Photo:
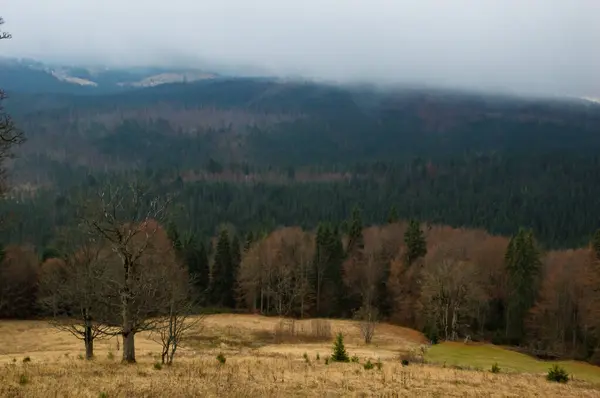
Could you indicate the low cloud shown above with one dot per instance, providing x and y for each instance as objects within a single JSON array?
[{"x": 533, "y": 46}]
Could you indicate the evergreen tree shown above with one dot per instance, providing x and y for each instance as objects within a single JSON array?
[
  {"x": 173, "y": 235},
  {"x": 327, "y": 274},
  {"x": 355, "y": 236},
  {"x": 195, "y": 257},
  {"x": 339, "y": 350},
  {"x": 523, "y": 263},
  {"x": 596, "y": 244},
  {"x": 223, "y": 273},
  {"x": 414, "y": 240},
  {"x": 393, "y": 215},
  {"x": 248, "y": 242}
]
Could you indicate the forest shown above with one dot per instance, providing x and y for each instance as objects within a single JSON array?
[{"x": 462, "y": 215}]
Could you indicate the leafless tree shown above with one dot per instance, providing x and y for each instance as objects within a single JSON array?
[
  {"x": 451, "y": 288},
  {"x": 75, "y": 290},
  {"x": 127, "y": 221},
  {"x": 10, "y": 135},
  {"x": 178, "y": 319},
  {"x": 367, "y": 318}
]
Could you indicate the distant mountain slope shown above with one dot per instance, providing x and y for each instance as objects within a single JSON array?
[
  {"x": 267, "y": 122},
  {"x": 25, "y": 75}
]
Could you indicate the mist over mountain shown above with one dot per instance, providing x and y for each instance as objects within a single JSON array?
[{"x": 541, "y": 47}]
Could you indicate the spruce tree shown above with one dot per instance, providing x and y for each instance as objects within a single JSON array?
[
  {"x": 414, "y": 240},
  {"x": 355, "y": 236},
  {"x": 596, "y": 244},
  {"x": 223, "y": 277},
  {"x": 173, "y": 235},
  {"x": 393, "y": 215},
  {"x": 339, "y": 350},
  {"x": 195, "y": 257},
  {"x": 236, "y": 260},
  {"x": 523, "y": 264},
  {"x": 248, "y": 241}
]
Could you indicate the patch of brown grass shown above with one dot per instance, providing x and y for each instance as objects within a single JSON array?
[
  {"x": 257, "y": 376},
  {"x": 253, "y": 367}
]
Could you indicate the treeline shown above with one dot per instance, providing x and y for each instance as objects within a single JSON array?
[{"x": 450, "y": 283}]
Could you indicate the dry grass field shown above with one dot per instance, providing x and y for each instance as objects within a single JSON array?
[{"x": 258, "y": 364}]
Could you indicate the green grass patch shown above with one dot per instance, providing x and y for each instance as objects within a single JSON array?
[{"x": 485, "y": 355}]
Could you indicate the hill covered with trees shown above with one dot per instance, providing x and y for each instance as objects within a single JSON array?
[{"x": 292, "y": 198}]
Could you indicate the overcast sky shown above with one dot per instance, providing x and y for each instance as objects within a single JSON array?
[{"x": 537, "y": 46}]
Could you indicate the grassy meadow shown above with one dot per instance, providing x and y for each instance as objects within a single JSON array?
[{"x": 264, "y": 360}]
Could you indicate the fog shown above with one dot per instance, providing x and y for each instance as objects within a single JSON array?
[{"x": 527, "y": 46}]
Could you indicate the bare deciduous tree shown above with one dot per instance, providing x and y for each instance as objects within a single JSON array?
[
  {"x": 275, "y": 272},
  {"x": 127, "y": 220},
  {"x": 367, "y": 318},
  {"x": 75, "y": 290},
  {"x": 178, "y": 319},
  {"x": 451, "y": 289},
  {"x": 10, "y": 135}
]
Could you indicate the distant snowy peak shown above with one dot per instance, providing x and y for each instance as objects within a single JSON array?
[
  {"x": 169, "y": 77},
  {"x": 20, "y": 71}
]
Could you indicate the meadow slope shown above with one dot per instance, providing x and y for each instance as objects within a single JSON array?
[{"x": 258, "y": 364}]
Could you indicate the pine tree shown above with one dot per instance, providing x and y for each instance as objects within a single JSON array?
[
  {"x": 414, "y": 239},
  {"x": 339, "y": 350},
  {"x": 223, "y": 276},
  {"x": 393, "y": 215},
  {"x": 523, "y": 264}
]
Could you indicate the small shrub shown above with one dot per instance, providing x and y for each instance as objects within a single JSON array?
[
  {"x": 558, "y": 374},
  {"x": 368, "y": 365},
  {"x": 354, "y": 359},
  {"x": 318, "y": 357},
  {"x": 221, "y": 358},
  {"x": 103, "y": 395},
  {"x": 306, "y": 358},
  {"x": 157, "y": 366},
  {"x": 26, "y": 359},
  {"x": 326, "y": 361},
  {"x": 111, "y": 356},
  {"x": 339, "y": 350},
  {"x": 23, "y": 379},
  {"x": 80, "y": 357},
  {"x": 379, "y": 364},
  {"x": 405, "y": 362},
  {"x": 495, "y": 368},
  {"x": 14, "y": 360}
]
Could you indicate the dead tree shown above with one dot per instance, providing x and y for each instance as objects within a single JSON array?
[
  {"x": 178, "y": 319},
  {"x": 127, "y": 220},
  {"x": 75, "y": 290}
]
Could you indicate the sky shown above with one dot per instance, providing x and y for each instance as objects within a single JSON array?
[{"x": 526, "y": 46}]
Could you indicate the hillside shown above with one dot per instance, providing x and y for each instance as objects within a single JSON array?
[
  {"x": 461, "y": 159},
  {"x": 257, "y": 365},
  {"x": 27, "y": 75}
]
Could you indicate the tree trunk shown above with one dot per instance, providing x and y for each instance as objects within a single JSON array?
[
  {"x": 128, "y": 347},
  {"x": 89, "y": 343},
  {"x": 127, "y": 319},
  {"x": 88, "y": 339}
]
